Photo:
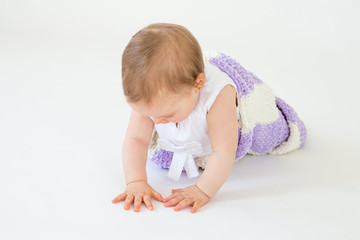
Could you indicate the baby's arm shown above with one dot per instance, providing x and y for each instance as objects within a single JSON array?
[
  {"x": 223, "y": 133},
  {"x": 134, "y": 156},
  {"x": 135, "y": 146}
]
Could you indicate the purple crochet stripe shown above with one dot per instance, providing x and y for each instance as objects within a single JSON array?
[
  {"x": 162, "y": 158},
  {"x": 268, "y": 136},
  {"x": 240, "y": 69},
  {"x": 244, "y": 144},
  {"x": 243, "y": 79},
  {"x": 291, "y": 116}
]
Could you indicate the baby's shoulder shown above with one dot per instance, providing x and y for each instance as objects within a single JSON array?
[{"x": 227, "y": 95}]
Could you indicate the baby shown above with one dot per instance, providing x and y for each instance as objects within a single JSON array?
[{"x": 192, "y": 110}]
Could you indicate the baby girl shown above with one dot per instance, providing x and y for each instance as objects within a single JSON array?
[{"x": 192, "y": 109}]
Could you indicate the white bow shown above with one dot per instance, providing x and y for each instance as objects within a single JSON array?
[{"x": 183, "y": 157}]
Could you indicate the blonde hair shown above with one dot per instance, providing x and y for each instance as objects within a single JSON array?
[{"x": 160, "y": 58}]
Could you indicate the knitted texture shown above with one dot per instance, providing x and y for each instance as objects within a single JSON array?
[{"x": 267, "y": 125}]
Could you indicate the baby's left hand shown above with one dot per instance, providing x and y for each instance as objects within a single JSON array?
[{"x": 191, "y": 195}]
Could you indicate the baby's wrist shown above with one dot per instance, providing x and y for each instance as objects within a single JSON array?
[
  {"x": 206, "y": 194},
  {"x": 139, "y": 180}
]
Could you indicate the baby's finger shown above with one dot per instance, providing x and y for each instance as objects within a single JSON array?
[
  {"x": 176, "y": 190},
  {"x": 128, "y": 201},
  {"x": 157, "y": 196},
  {"x": 174, "y": 201},
  {"x": 147, "y": 202},
  {"x": 183, "y": 203},
  {"x": 137, "y": 203},
  {"x": 171, "y": 196},
  {"x": 119, "y": 198},
  {"x": 195, "y": 207}
]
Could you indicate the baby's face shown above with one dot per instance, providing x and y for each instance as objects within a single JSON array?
[{"x": 174, "y": 108}]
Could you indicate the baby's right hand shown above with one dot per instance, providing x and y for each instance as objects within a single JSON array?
[{"x": 138, "y": 192}]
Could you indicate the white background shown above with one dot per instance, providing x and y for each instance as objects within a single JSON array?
[{"x": 63, "y": 118}]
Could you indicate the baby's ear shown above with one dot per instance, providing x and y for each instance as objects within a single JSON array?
[{"x": 200, "y": 81}]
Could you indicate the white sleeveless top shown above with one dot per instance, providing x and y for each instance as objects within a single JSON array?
[{"x": 194, "y": 128}]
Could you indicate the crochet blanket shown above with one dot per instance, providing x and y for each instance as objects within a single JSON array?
[{"x": 267, "y": 124}]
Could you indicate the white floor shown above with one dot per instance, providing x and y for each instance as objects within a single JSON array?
[{"x": 63, "y": 118}]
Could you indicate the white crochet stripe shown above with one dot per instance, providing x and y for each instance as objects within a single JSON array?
[
  {"x": 255, "y": 153},
  {"x": 292, "y": 143},
  {"x": 259, "y": 106}
]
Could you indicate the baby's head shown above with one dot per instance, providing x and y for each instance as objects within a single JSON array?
[{"x": 163, "y": 72}]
